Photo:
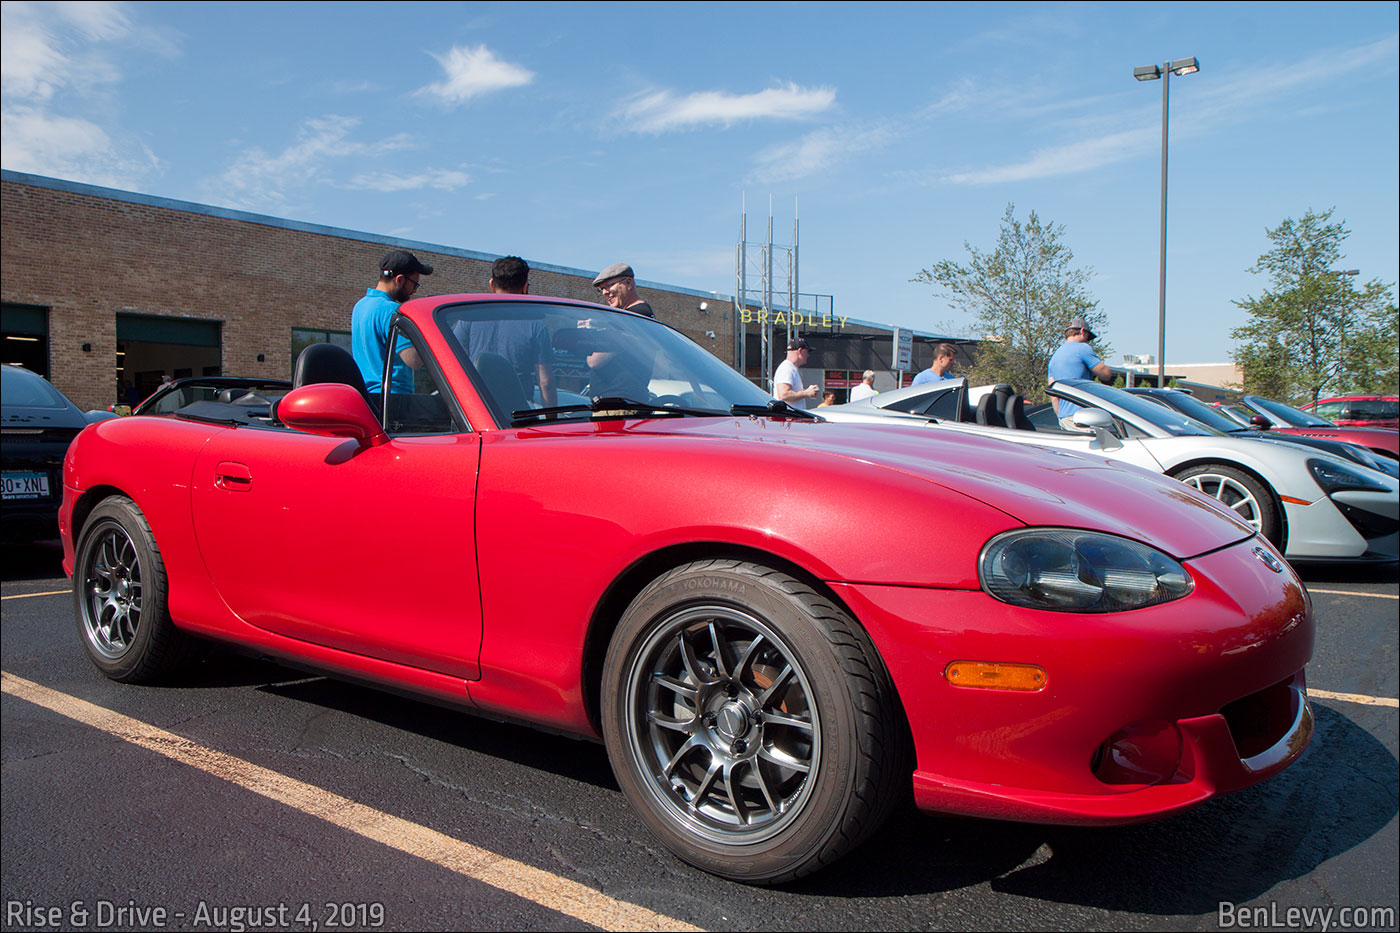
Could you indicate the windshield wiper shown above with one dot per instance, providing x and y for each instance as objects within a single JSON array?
[
  {"x": 606, "y": 403},
  {"x": 775, "y": 407}
]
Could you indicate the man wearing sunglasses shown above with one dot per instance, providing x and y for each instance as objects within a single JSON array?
[
  {"x": 618, "y": 287},
  {"x": 399, "y": 275}
]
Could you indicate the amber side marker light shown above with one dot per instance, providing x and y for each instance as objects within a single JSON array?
[{"x": 995, "y": 675}]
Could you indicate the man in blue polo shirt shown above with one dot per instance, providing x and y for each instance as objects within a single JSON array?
[
  {"x": 1075, "y": 360},
  {"x": 369, "y": 323}
]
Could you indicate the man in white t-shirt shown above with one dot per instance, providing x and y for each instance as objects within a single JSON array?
[
  {"x": 866, "y": 387},
  {"x": 787, "y": 381}
]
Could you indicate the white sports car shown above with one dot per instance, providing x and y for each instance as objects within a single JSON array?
[{"x": 1312, "y": 505}]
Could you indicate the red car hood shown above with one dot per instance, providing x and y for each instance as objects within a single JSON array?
[{"x": 1035, "y": 485}]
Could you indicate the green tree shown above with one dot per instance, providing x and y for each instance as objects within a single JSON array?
[
  {"x": 1021, "y": 295},
  {"x": 1313, "y": 333}
]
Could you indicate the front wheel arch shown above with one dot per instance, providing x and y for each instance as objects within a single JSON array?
[{"x": 614, "y": 602}]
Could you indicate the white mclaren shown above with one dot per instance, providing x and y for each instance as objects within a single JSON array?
[{"x": 1312, "y": 505}]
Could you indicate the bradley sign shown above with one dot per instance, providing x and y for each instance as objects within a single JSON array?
[{"x": 791, "y": 318}]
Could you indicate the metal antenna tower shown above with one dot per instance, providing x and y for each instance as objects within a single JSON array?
[{"x": 755, "y": 289}]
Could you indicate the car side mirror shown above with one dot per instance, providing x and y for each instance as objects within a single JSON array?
[
  {"x": 1260, "y": 422},
  {"x": 331, "y": 409},
  {"x": 1101, "y": 423}
]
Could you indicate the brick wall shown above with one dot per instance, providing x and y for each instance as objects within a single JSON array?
[{"x": 87, "y": 257}]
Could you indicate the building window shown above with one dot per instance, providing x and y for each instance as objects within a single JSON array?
[{"x": 303, "y": 337}]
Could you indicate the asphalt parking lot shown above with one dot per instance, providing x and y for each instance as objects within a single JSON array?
[{"x": 257, "y": 795}]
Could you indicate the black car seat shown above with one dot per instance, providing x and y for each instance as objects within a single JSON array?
[
  {"x": 501, "y": 383},
  {"x": 1016, "y": 414},
  {"x": 1003, "y": 392},
  {"x": 326, "y": 362},
  {"x": 987, "y": 413}
]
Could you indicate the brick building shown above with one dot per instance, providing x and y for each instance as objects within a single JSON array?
[{"x": 106, "y": 291}]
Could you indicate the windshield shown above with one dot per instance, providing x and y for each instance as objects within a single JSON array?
[
  {"x": 1287, "y": 414},
  {"x": 1168, "y": 419},
  {"x": 535, "y": 355},
  {"x": 1198, "y": 409},
  {"x": 23, "y": 389}
]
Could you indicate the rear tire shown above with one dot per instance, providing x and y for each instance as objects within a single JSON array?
[
  {"x": 119, "y": 597},
  {"x": 1241, "y": 493},
  {"x": 750, "y": 722}
]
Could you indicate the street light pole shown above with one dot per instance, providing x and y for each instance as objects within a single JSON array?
[
  {"x": 1181, "y": 66},
  {"x": 1336, "y": 275}
]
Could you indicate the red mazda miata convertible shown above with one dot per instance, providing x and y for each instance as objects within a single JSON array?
[{"x": 578, "y": 518}]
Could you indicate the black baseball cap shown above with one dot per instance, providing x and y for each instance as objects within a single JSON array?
[
  {"x": 798, "y": 343},
  {"x": 402, "y": 262}
]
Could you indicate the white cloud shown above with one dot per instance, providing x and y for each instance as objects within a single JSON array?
[
  {"x": 1066, "y": 160},
  {"x": 53, "y": 68},
  {"x": 661, "y": 111},
  {"x": 259, "y": 179},
  {"x": 44, "y": 48},
  {"x": 1215, "y": 99},
  {"x": 818, "y": 151},
  {"x": 441, "y": 179},
  {"x": 33, "y": 140},
  {"x": 472, "y": 72}
]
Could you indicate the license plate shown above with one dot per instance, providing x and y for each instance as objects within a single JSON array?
[{"x": 25, "y": 485}]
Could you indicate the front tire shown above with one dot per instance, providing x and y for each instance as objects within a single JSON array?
[
  {"x": 750, "y": 722},
  {"x": 119, "y": 597},
  {"x": 1243, "y": 494}
]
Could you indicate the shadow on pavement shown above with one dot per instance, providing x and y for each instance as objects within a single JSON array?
[
  {"x": 1348, "y": 573},
  {"x": 33, "y": 560},
  {"x": 1234, "y": 848}
]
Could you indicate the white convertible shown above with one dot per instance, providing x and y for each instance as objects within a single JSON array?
[{"x": 1312, "y": 505}]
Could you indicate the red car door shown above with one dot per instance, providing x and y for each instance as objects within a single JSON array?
[{"x": 369, "y": 550}]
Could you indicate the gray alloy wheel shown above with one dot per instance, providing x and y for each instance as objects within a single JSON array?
[
  {"x": 721, "y": 719},
  {"x": 119, "y": 597},
  {"x": 112, "y": 591},
  {"x": 1241, "y": 493},
  {"x": 749, "y": 721}
]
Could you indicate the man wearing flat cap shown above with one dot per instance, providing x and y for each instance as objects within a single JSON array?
[
  {"x": 1075, "y": 360},
  {"x": 787, "y": 381},
  {"x": 399, "y": 273},
  {"x": 618, "y": 286}
]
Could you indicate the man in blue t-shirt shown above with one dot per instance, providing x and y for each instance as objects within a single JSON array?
[
  {"x": 1075, "y": 360},
  {"x": 942, "y": 368},
  {"x": 369, "y": 323}
]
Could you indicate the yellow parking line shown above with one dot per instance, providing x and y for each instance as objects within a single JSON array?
[
  {"x": 533, "y": 884},
  {"x": 27, "y": 595},
  {"x": 1354, "y": 593},
  {"x": 1355, "y": 698}
]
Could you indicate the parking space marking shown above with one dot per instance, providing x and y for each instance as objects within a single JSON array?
[
  {"x": 1354, "y": 593},
  {"x": 1355, "y": 698},
  {"x": 533, "y": 884},
  {"x": 27, "y": 595}
]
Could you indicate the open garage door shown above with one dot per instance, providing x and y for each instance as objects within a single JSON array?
[{"x": 151, "y": 348}]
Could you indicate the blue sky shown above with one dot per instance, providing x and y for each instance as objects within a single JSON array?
[{"x": 587, "y": 133}]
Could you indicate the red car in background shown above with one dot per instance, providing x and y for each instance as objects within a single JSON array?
[
  {"x": 688, "y": 570},
  {"x": 1275, "y": 416},
  {"x": 1374, "y": 411}
]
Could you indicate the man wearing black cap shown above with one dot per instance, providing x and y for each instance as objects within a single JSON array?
[
  {"x": 1075, "y": 360},
  {"x": 618, "y": 286},
  {"x": 369, "y": 322},
  {"x": 787, "y": 381}
]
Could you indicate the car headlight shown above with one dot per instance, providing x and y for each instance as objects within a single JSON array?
[
  {"x": 1068, "y": 570},
  {"x": 1335, "y": 476}
]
